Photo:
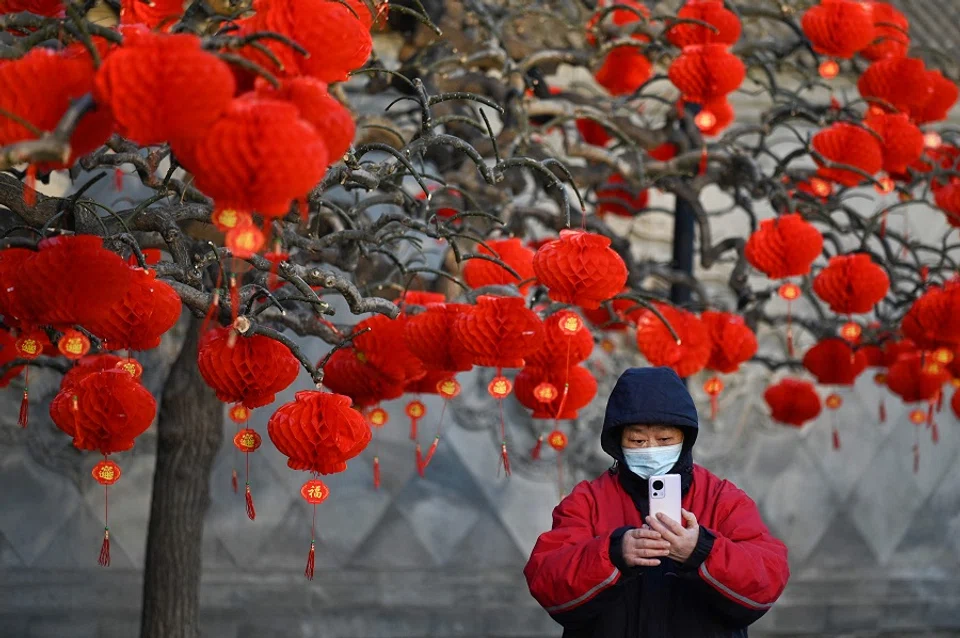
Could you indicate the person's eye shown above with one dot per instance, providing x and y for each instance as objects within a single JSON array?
[{"x": 666, "y": 439}]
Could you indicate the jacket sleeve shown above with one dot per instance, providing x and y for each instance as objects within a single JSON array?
[
  {"x": 740, "y": 567},
  {"x": 571, "y": 572}
]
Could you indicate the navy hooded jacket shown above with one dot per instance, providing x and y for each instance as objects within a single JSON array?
[{"x": 577, "y": 570}]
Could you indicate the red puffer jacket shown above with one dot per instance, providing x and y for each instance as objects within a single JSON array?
[{"x": 735, "y": 574}]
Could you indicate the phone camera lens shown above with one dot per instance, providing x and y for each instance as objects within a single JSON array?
[{"x": 658, "y": 484}]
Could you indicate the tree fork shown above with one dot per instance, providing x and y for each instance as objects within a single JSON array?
[{"x": 189, "y": 434}]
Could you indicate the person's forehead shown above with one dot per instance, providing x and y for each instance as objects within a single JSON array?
[{"x": 646, "y": 428}]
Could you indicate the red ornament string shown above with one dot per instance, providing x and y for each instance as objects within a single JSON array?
[{"x": 104, "y": 559}]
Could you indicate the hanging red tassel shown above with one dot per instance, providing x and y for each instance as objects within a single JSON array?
[
  {"x": 714, "y": 406},
  {"x": 118, "y": 179},
  {"x": 506, "y": 458},
  {"x": 702, "y": 168},
  {"x": 883, "y": 225},
  {"x": 836, "y": 439},
  {"x": 251, "y": 512},
  {"x": 930, "y": 413},
  {"x": 430, "y": 452},
  {"x": 935, "y": 434},
  {"x": 883, "y": 411},
  {"x": 234, "y": 298},
  {"x": 29, "y": 191},
  {"x": 24, "y": 410},
  {"x": 234, "y": 483},
  {"x": 419, "y": 459},
  {"x": 104, "y": 559},
  {"x": 939, "y": 401},
  {"x": 535, "y": 452},
  {"x": 924, "y": 273},
  {"x": 308, "y": 572},
  {"x": 376, "y": 472}
]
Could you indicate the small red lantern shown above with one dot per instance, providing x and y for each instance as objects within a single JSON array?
[
  {"x": 839, "y": 28},
  {"x": 848, "y": 144},
  {"x": 567, "y": 341},
  {"x": 829, "y": 69},
  {"x": 29, "y": 346},
  {"x": 918, "y": 417},
  {"x": 106, "y": 472},
  {"x": 247, "y": 440},
  {"x": 851, "y": 331},
  {"x": 416, "y": 411},
  {"x": 891, "y": 39},
  {"x": 580, "y": 268},
  {"x": 557, "y": 440},
  {"x": 851, "y": 284},
  {"x": 902, "y": 83},
  {"x": 733, "y": 342},
  {"x": 713, "y": 387},
  {"x": 726, "y": 25},
  {"x": 792, "y": 401},
  {"x": 706, "y": 72},
  {"x": 705, "y": 120},
  {"x": 499, "y": 331},
  {"x": 448, "y": 388},
  {"x": 833, "y": 362},
  {"x": 239, "y": 413},
  {"x": 834, "y": 401},
  {"x": 431, "y": 338},
  {"x": 686, "y": 356},
  {"x": 245, "y": 241},
  {"x": 943, "y": 356},
  {"x": 500, "y": 387},
  {"x": 784, "y": 246},
  {"x": 480, "y": 272},
  {"x": 314, "y": 491},
  {"x": 378, "y": 417}
]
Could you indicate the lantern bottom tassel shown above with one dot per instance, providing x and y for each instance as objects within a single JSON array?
[
  {"x": 836, "y": 439},
  {"x": 883, "y": 411},
  {"x": 24, "y": 410},
  {"x": 104, "y": 559},
  {"x": 430, "y": 452},
  {"x": 234, "y": 483},
  {"x": 506, "y": 459},
  {"x": 535, "y": 452},
  {"x": 308, "y": 572},
  {"x": 419, "y": 455},
  {"x": 376, "y": 472},
  {"x": 714, "y": 407},
  {"x": 935, "y": 434},
  {"x": 251, "y": 512}
]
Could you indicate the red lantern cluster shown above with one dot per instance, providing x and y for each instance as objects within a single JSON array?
[
  {"x": 785, "y": 246},
  {"x": 917, "y": 377},
  {"x": 906, "y": 86},
  {"x": 931, "y": 322},
  {"x": 247, "y": 370},
  {"x": 580, "y": 268}
]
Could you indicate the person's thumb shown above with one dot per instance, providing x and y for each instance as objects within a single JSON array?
[{"x": 688, "y": 518}]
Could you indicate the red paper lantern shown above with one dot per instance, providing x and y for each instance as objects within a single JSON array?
[
  {"x": 592, "y": 132},
  {"x": 108, "y": 410},
  {"x": 715, "y": 117},
  {"x": 833, "y": 362},
  {"x": 603, "y": 319},
  {"x": 350, "y": 374},
  {"x": 726, "y": 23},
  {"x": 385, "y": 348},
  {"x": 902, "y": 142},
  {"x": 153, "y": 14},
  {"x": 947, "y": 199},
  {"x": 894, "y": 350},
  {"x": 318, "y": 432},
  {"x": 137, "y": 321},
  {"x": 557, "y": 440},
  {"x": 421, "y": 298},
  {"x": 901, "y": 84},
  {"x": 890, "y": 33},
  {"x": 478, "y": 273},
  {"x": 623, "y": 71},
  {"x": 792, "y": 401},
  {"x": 73, "y": 279},
  {"x": 48, "y": 8},
  {"x": 838, "y": 28},
  {"x": 706, "y": 72},
  {"x": 851, "y": 283},
  {"x": 336, "y": 41},
  {"x": 8, "y": 353},
  {"x": 163, "y": 87},
  {"x": 942, "y": 96},
  {"x": 931, "y": 321},
  {"x": 732, "y": 341},
  {"x": 916, "y": 377},
  {"x": 430, "y": 338},
  {"x": 247, "y": 440},
  {"x": 580, "y": 268},
  {"x": 564, "y": 344},
  {"x": 331, "y": 119},
  {"x": 577, "y": 383},
  {"x": 287, "y": 161},
  {"x": 430, "y": 382},
  {"x": 845, "y": 143},
  {"x": 499, "y": 331},
  {"x": 661, "y": 349},
  {"x": 88, "y": 365},
  {"x": 247, "y": 370},
  {"x": 11, "y": 259},
  {"x": 784, "y": 246},
  {"x": 39, "y": 89},
  {"x": 617, "y": 198}
]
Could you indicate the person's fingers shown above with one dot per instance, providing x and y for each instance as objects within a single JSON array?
[
  {"x": 653, "y": 552},
  {"x": 658, "y": 526},
  {"x": 649, "y": 542},
  {"x": 670, "y": 524},
  {"x": 647, "y": 562},
  {"x": 646, "y": 533},
  {"x": 689, "y": 518}
]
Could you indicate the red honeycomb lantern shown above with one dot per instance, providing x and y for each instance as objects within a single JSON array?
[
  {"x": 155, "y": 14},
  {"x": 898, "y": 84},
  {"x": 686, "y": 357},
  {"x": 580, "y": 268},
  {"x": 851, "y": 283},
  {"x": 725, "y": 22},
  {"x": 838, "y": 28},
  {"x": 902, "y": 142},
  {"x": 625, "y": 68},
  {"x": 833, "y": 362},
  {"x": 733, "y": 342},
  {"x": 784, "y": 246},
  {"x": 162, "y": 87},
  {"x": 499, "y": 331},
  {"x": 943, "y": 95},
  {"x": 480, "y": 272},
  {"x": 430, "y": 337},
  {"x": 348, "y": 372},
  {"x": 138, "y": 320},
  {"x": 715, "y": 117},
  {"x": 891, "y": 39},
  {"x": 618, "y": 198},
  {"x": 916, "y": 377},
  {"x": 247, "y": 370},
  {"x": 947, "y": 198},
  {"x": 706, "y": 72},
  {"x": 574, "y": 389},
  {"x": 845, "y": 143},
  {"x": 931, "y": 321},
  {"x": 385, "y": 348},
  {"x": 792, "y": 401}
]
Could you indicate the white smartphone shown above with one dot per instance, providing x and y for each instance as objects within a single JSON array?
[{"x": 664, "y": 495}]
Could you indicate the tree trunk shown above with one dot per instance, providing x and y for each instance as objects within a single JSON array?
[{"x": 189, "y": 433}]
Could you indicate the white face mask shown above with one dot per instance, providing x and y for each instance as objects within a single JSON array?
[{"x": 652, "y": 461}]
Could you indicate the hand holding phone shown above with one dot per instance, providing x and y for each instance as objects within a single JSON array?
[{"x": 664, "y": 495}]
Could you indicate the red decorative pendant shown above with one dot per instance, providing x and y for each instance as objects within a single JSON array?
[
  {"x": 500, "y": 387},
  {"x": 314, "y": 491},
  {"x": 106, "y": 472},
  {"x": 247, "y": 440}
]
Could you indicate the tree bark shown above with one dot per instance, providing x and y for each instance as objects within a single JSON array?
[{"x": 189, "y": 433}]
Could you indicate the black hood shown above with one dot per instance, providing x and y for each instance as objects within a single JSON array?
[{"x": 649, "y": 396}]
